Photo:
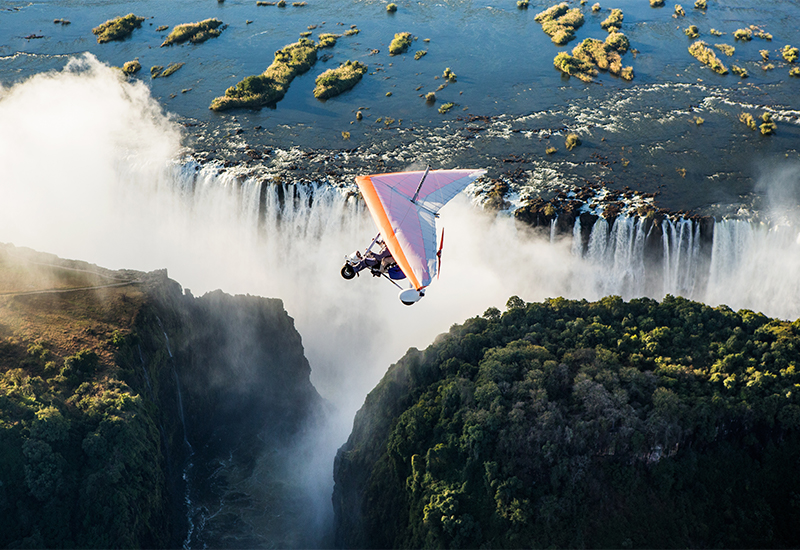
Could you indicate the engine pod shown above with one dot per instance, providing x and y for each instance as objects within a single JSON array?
[{"x": 411, "y": 296}]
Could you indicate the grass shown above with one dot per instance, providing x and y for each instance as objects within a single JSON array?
[
  {"x": 764, "y": 54},
  {"x": 449, "y": 75},
  {"x": 551, "y": 150},
  {"x": 745, "y": 35},
  {"x": 559, "y": 22},
  {"x": 523, "y": 4},
  {"x": 117, "y": 29},
  {"x": 789, "y": 53},
  {"x": 679, "y": 10},
  {"x": 715, "y": 32},
  {"x": 430, "y": 97},
  {"x": 420, "y": 54},
  {"x": 155, "y": 71},
  {"x": 656, "y": 3},
  {"x": 596, "y": 7},
  {"x": 195, "y": 33},
  {"x": 400, "y": 43},
  {"x": 692, "y": 31},
  {"x": 794, "y": 71},
  {"x": 726, "y": 49},
  {"x": 700, "y": 5},
  {"x": 352, "y": 31},
  {"x": 391, "y": 8},
  {"x": 446, "y": 107},
  {"x": 269, "y": 87},
  {"x": 131, "y": 67},
  {"x": 614, "y": 21},
  {"x": 336, "y": 81},
  {"x": 705, "y": 55}
]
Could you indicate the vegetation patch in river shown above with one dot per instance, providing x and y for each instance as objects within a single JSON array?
[
  {"x": 602, "y": 55},
  {"x": 131, "y": 67},
  {"x": 726, "y": 49},
  {"x": 269, "y": 87},
  {"x": 194, "y": 32},
  {"x": 327, "y": 40},
  {"x": 789, "y": 53},
  {"x": 117, "y": 29},
  {"x": 336, "y": 81},
  {"x": 400, "y": 43},
  {"x": 559, "y": 22},
  {"x": 614, "y": 21},
  {"x": 573, "y": 66},
  {"x": 705, "y": 55},
  {"x": 768, "y": 126}
]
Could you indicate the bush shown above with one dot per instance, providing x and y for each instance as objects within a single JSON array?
[
  {"x": 131, "y": 67},
  {"x": 705, "y": 55},
  {"x": 194, "y": 32},
  {"x": 748, "y": 119},
  {"x": 614, "y": 21},
  {"x": 400, "y": 43},
  {"x": 336, "y": 81},
  {"x": 391, "y": 8},
  {"x": 117, "y": 29},
  {"x": 572, "y": 141}
]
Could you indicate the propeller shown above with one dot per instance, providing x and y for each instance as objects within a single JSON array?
[{"x": 439, "y": 256}]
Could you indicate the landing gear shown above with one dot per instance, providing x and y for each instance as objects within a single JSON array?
[{"x": 348, "y": 272}]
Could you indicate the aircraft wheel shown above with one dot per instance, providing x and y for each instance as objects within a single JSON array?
[{"x": 348, "y": 272}]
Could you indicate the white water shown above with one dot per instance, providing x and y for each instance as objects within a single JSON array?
[{"x": 88, "y": 172}]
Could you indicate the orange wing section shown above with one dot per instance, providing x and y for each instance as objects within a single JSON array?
[{"x": 385, "y": 226}]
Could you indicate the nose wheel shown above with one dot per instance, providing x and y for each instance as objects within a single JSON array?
[{"x": 348, "y": 272}]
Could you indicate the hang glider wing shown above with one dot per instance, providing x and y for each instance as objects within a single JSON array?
[{"x": 405, "y": 213}]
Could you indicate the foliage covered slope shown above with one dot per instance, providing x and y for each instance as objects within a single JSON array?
[
  {"x": 576, "y": 424},
  {"x": 104, "y": 378}
]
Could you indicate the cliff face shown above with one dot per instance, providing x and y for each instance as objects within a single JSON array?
[
  {"x": 116, "y": 388},
  {"x": 576, "y": 424}
]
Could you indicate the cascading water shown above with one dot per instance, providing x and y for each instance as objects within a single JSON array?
[{"x": 747, "y": 265}]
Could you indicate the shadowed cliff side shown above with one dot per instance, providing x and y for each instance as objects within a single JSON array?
[
  {"x": 577, "y": 424},
  {"x": 117, "y": 389}
]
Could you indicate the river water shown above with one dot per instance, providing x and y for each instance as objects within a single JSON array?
[{"x": 510, "y": 101}]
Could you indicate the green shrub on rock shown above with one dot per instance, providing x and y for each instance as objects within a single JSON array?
[
  {"x": 336, "y": 81},
  {"x": 117, "y": 29}
]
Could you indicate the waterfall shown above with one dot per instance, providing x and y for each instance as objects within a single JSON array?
[{"x": 743, "y": 264}]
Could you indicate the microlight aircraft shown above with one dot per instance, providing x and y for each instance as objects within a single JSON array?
[{"x": 404, "y": 206}]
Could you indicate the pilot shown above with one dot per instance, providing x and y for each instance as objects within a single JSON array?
[{"x": 383, "y": 259}]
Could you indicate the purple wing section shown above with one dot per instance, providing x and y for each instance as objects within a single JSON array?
[{"x": 414, "y": 223}]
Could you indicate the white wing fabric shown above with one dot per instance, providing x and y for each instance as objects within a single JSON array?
[{"x": 409, "y": 226}]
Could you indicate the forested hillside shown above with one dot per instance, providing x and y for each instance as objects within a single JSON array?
[
  {"x": 576, "y": 424},
  {"x": 112, "y": 383}
]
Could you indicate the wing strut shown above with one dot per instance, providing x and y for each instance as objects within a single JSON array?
[{"x": 425, "y": 175}]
